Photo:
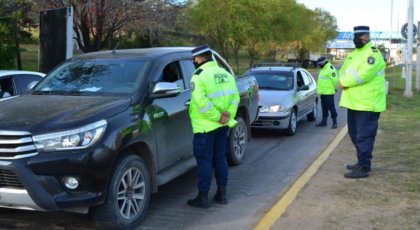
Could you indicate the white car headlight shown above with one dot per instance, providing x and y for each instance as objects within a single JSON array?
[
  {"x": 272, "y": 109},
  {"x": 79, "y": 138}
]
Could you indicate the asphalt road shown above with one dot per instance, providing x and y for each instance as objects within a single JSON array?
[{"x": 273, "y": 162}]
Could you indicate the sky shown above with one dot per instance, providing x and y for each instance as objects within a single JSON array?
[{"x": 373, "y": 13}]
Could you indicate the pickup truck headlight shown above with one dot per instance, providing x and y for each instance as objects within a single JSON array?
[
  {"x": 272, "y": 109},
  {"x": 79, "y": 138}
]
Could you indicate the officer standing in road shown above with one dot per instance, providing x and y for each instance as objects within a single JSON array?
[
  {"x": 327, "y": 86},
  {"x": 362, "y": 78},
  {"x": 214, "y": 103}
]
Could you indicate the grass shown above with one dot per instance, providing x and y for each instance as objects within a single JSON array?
[
  {"x": 392, "y": 195},
  {"x": 29, "y": 54}
]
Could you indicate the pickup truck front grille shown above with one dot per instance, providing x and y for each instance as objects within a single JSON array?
[
  {"x": 9, "y": 180},
  {"x": 16, "y": 145}
]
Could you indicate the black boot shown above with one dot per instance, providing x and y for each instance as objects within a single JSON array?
[
  {"x": 220, "y": 196},
  {"x": 334, "y": 124},
  {"x": 322, "y": 123},
  {"x": 201, "y": 201}
]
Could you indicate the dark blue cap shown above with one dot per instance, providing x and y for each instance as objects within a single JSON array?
[
  {"x": 321, "y": 61},
  {"x": 361, "y": 29},
  {"x": 200, "y": 50}
]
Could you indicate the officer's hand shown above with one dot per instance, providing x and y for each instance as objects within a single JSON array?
[
  {"x": 224, "y": 118},
  {"x": 341, "y": 86}
]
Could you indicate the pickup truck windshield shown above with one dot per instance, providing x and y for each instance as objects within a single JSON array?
[{"x": 94, "y": 77}]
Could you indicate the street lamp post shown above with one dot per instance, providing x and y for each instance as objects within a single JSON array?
[
  {"x": 409, "y": 61},
  {"x": 418, "y": 59}
]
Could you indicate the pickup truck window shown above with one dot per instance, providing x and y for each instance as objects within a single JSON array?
[
  {"x": 171, "y": 73},
  {"x": 98, "y": 77}
]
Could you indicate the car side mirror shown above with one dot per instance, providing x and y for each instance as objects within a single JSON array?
[
  {"x": 165, "y": 89},
  {"x": 31, "y": 85}
]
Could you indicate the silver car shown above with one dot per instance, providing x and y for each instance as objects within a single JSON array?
[{"x": 287, "y": 95}]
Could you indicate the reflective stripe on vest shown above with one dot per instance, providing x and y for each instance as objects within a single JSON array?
[
  {"x": 207, "y": 108},
  {"x": 380, "y": 73},
  {"x": 355, "y": 75},
  {"x": 221, "y": 93}
]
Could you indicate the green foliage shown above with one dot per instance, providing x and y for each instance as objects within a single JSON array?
[
  {"x": 261, "y": 26},
  {"x": 7, "y": 47}
]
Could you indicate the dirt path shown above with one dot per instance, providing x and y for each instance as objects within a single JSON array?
[{"x": 330, "y": 201}]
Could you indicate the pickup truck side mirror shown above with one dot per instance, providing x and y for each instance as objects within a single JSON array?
[
  {"x": 31, "y": 85},
  {"x": 304, "y": 87},
  {"x": 165, "y": 89}
]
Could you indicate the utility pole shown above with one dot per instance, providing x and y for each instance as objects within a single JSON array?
[
  {"x": 409, "y": 61},
  {"x": 418, "y": 59}
]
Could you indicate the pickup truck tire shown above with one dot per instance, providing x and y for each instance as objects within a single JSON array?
[
  {"x": 291, "y": 130},
  {"x": 238, "y": 139},
  {"x": 312, "y": 115},
  {"x": 128, "y": 195}
]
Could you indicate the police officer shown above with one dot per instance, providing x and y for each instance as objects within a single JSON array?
[
  {"x": 326, "y": 87},
  {"x": 214, "y": 102},
  {"x": 362, "y": 78}
]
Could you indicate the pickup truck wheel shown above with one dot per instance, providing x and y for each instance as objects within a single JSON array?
[
  {"x": 128, "y": 195},
  {"x": 237, "y": 142},
  {"x": 291, "y": 130},
  {"x": 312, "y": 116}
]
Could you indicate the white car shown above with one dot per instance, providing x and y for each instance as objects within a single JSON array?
[
  {"x": 17, "y": 82},
  {"x": 287, "y": 95}
]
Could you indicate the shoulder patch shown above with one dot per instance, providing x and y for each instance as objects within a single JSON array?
[
  {"x": 371, "y": 60},
  {"x": 197, "y": 72}
]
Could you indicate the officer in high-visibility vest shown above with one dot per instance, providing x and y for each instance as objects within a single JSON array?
[
  {"x": 214, "y": 103},
  {"x": 362, "y": 78},
  {"x": 327, "y": 84}
]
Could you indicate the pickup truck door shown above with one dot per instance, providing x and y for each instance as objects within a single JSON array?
[{"x": 171, "y": 122}]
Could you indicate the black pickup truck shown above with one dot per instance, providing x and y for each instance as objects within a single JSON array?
[{"x": 103, "y": 130}]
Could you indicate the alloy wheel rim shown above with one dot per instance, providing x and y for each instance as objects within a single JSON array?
[
  {"x": 239, "y": 141},
  {"x": 131, "y": 193}
]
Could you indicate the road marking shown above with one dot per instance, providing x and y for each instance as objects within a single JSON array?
[{"x": 278, "y": 209}]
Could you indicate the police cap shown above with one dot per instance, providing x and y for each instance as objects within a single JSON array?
[
  {"x": 321, "y": 61},
  {"x": 200, "y": 50},
  {"x": 359, "y": 30}
]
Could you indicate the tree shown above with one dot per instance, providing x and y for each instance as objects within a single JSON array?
[
  {"x": 16, "y": 19},
  {"x": 96, "y": 22},
  {"x": 320, "y": 26}
]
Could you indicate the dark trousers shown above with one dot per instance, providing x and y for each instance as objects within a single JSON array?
[
  {"x": 362, "y": 127},
  {"x": 327, "y": 104},
  {"x": 210, "y": 152}
]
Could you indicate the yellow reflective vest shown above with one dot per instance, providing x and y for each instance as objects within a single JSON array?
[
  {"x": 327, "y": 80},
  {"x": 363, "y": 77},
  {"x": 214, "y": 91}
]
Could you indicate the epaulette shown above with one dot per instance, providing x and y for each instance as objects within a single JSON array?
[
  {"x": 331, "y": 67},
  {"x": 198, "y": 72},
  {"x": 374, "y": 49}
]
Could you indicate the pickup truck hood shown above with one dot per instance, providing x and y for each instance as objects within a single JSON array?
[
  {"x": 275, "y": 97},
  {"x": 49, "y": 113}
]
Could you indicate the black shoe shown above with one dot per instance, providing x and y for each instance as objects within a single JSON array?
[
  {"x": 354, "y": 166},
  {"x": 334, "y": 125},
  {"x": 358, "y": 172},
  {"x": 201, "y": 201},
  {"x": 220, "y": 196}
]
